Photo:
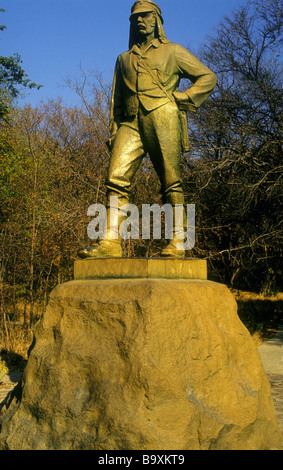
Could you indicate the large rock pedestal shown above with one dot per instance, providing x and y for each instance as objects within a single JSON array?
[{"x": 142, "y": 364}]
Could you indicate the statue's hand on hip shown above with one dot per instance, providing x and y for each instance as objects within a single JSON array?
[{"x": 182, "y": 99}]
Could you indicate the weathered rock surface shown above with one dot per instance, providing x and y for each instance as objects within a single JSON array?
[{"x": 141, "y": 364}]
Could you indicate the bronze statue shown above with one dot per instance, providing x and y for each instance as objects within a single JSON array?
[{"x": 148, "y": 115}]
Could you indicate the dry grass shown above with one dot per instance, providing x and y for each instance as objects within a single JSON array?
[
  {"x": 14, "y": 348},
  {"x": 261, "y": 314}
]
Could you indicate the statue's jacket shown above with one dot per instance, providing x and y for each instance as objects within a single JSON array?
[{"x": 169, "y": 63}]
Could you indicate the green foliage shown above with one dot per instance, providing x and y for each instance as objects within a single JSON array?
[
  {"x": 12, "y": 79},
  {"x": 12, "y": 75}
]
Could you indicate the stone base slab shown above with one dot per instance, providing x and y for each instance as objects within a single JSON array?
[{"x": 149, "y": 268}]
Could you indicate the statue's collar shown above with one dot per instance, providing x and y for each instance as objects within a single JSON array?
[{"x": 154, "y": 43}]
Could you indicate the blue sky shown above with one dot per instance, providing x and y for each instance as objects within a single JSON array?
[{"x": 55, "y": 36}]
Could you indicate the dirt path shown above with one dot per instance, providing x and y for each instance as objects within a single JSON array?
[{"x": 271, "y": 353}]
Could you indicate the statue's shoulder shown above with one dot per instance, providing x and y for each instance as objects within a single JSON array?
[
  {"x": 167, "y": 43},
  {"x": 170, "y": 46},
  {"x": 175, "y": 45},
  {"x": 178, "y": 48},
  {"x": 123, "y": 56}
]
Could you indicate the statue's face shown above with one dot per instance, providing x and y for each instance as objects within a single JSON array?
[{"x": 144, "y": 23}]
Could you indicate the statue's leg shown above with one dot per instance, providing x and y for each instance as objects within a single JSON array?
[
  {"x": 126, "y": 156},
  {"x": 162, "y": 134}
]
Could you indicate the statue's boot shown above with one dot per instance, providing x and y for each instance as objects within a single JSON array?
[
  {"x": 110, "y": 245},
  {"x": 104, "y": 249},
  {"x": 171, "y": 250}
]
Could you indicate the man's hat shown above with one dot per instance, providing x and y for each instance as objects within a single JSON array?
[{"x": 142, "y": 6}]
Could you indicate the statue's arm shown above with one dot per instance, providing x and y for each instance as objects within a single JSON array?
[
  {"x": 116, "y": 101},
  {"x": 202, "y": 78}
]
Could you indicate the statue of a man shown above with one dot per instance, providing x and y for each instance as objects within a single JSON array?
[{"x": 147, "y": 114}]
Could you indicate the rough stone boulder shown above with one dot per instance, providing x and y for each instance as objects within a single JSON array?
[{"x": 141, "y": 364}]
